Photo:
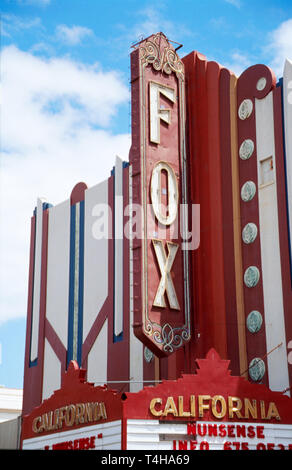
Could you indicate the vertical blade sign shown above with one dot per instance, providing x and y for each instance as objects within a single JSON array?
[{"x": 160, "y": 272}]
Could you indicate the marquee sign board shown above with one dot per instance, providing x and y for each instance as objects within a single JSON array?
[
  {"x": 159, "y": 191},
  {"x": 209, "y": 410},
  {"x": 78, "y": 416}
]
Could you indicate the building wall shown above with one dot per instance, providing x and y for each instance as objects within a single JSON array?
[
  {"x": 239, "y": 171},
  {"x": 10, "y": 434},
  {"x": 10, "y": 403},
  {"x": 79, "y": 275},
  {"x": 83, "y": 265},
  {"x": 10, "y": 417}
]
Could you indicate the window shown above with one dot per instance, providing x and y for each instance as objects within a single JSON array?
[{"x": 267, "y": 171}]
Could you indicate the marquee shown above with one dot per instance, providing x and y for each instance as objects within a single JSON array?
[
  {"x": 208, "y": 410},
  {"x": 78, "y": 416}
]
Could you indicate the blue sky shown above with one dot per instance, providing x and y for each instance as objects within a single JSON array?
[{"x": 66, "y": 101}]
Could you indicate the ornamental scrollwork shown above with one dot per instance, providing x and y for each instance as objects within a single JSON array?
[
  {"x": 170, "y": 338},
  {"x": 158, "y": 52}
]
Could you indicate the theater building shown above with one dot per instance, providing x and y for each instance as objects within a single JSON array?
[{"x": 159, "y": 300}]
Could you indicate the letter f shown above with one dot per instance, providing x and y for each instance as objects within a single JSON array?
[{"x": 158, "y": 113}]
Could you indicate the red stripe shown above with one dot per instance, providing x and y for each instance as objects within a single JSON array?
[
  {"x": 126, "y": 283},
  {"x": 33, "y": 376},
  {"x": 227, "y": 223},
  {"x": 118, "y": 352},
  {"x": 95, "y": 330},
  {"x": 78, "y": 193},
  {"x": 251, "y": 253},
  {"x": 124, "y": 431},
  {"x": 208, "y": 260},
  {"x": 27, "y": 389},
  {"x": 106, "y": 310},
  {"x": 56, "y": 344},
  {"x": 43, "y": 301},
  {"x": 195, "y": 65},
  {"x": 215, "y": 274}
]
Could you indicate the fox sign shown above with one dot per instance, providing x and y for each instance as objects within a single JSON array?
[{"x": 160, "y": 249}]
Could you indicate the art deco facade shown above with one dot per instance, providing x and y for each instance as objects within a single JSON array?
[{"x": 186, "y": 247}]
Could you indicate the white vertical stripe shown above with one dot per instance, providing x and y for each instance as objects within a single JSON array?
[
  {"x": 119, "y": 225},
  {"x": 37, "y": 281},
  {"x": 96, "y": 235},
  {"x": 136, "y": 347},
  {"x": 52, "y": 371},
  {"x": 270, "y": 247},
  {"x": 98, "y": 357},
  {"x": 287, "y": 105},
  {"x": 58, "y": 269}
]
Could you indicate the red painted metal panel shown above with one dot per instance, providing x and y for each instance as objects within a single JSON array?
[
  {"x": 27, "y": 384},
  {"x": 118, "y": 352},
  {"x": 162, "y": 328},
  {"x": 251, "y": 253},
  {"x": 77, "y": 193},
  {"x": 212, "y": 379},
  {"x": 210, "y": 165},
  {"x": 56, "y": 344},
  {"x": 43, "y": 301},
  {"x": 74, "y": 391},
  {"x": 33, "y": 374},
  {"x": 228, "y": 222},
  {"x": 195, "y": 67}
]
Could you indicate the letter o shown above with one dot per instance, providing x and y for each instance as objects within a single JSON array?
[
  {"x": 155, "y": 190},
  {"x": 216, "y": 413},
  {"x": 70, "y": 415},
  {"x": 204, "y": 445},
  {"x": 261, "y": 446}
]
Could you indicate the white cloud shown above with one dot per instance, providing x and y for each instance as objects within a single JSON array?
[
  {"x": 54, "y": 132},
  {"x": 280, "y": 46},
  {"x": 151, "y": 20},
  {"x": 235, "y": 3},
  {"x": 72, "y": 35},
  {"x": 238, "y": 63},
  {"x": 274, "y": 52},
  {"x": 34, "y": 2},
  {"x": 11, "y": 23}
]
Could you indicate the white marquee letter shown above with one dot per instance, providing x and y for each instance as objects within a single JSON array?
[
  {"x": 172, "y": 193},
  {"x": 166, "y": 284},
  {"x": 157, "y": 112}
]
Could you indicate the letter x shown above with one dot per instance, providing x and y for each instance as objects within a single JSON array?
[{"x": 166, "y": 284}]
